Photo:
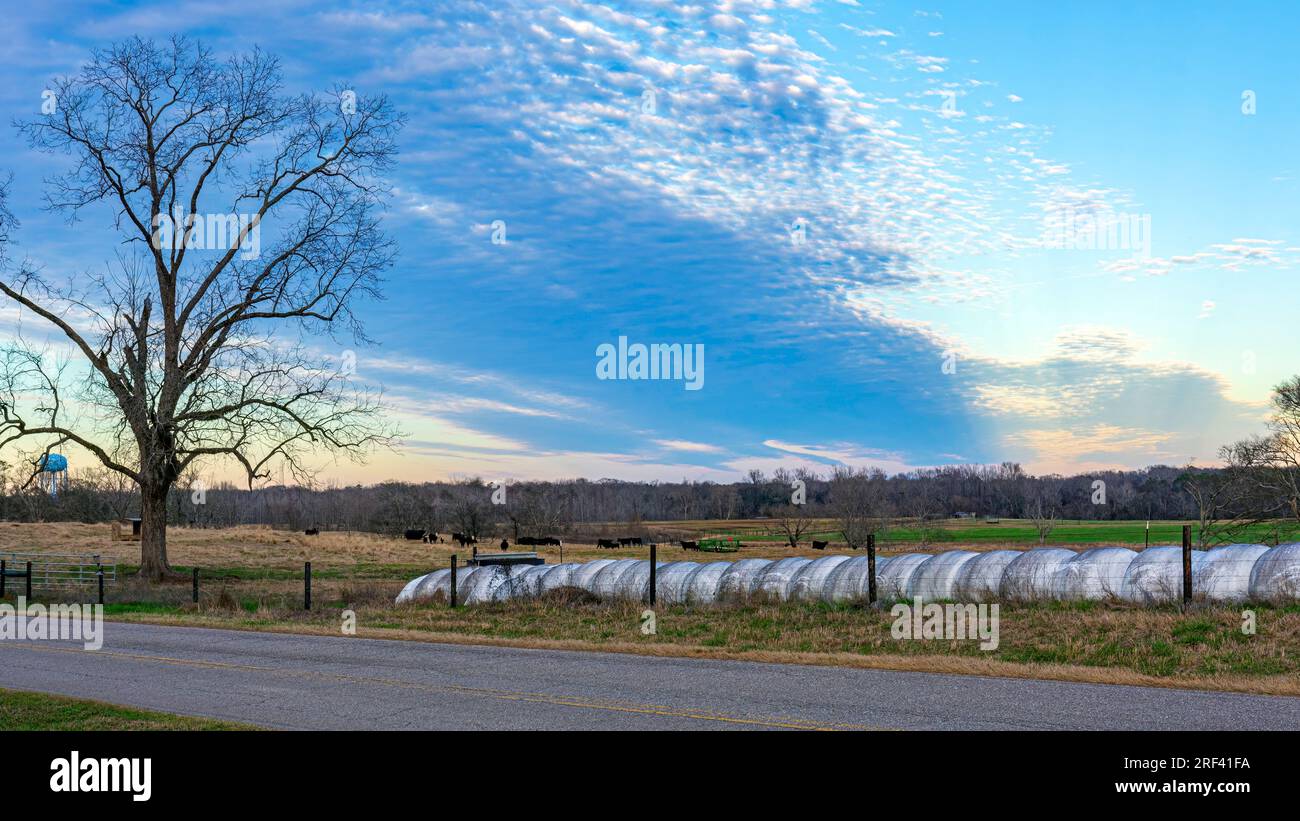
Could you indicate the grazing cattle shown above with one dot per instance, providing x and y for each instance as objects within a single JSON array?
[
  {"x": 606, "y": 543},
  {"x": 415, "y": 535},
  {"x": 462, "y": 540},
  {"x": 630, "y": 540},
  {"x": 550, "y": 540},
  {"x": 526, "y": 540},
  {"x": 311, "y": 531},
  {"x": 820, "y": 545},
  {"x": 690, "y": 546},
  {"x": 505, "y": 545}
]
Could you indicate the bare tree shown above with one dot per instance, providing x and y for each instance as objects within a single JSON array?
[
  {"x": 1270, "y": 464},
  {"x": 1042, "y": 509},
  {"x": 470, "y": 516},
  {"x": 859, "y": 505},
  {"x": 539, "y": 509},
  {"x": 793, "y": 522},
  {"x": 924, "y": 507},
  {"x": 185, "y": 345},
  {"x": 1232, "y": 499}
]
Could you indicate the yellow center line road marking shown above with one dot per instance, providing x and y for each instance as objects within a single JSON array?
[{"x": 504, "y": 695}]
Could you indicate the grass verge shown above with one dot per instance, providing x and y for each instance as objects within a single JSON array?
[
  {"x": 1100, "y": 642},
  {"x": 21, "y": 710}
]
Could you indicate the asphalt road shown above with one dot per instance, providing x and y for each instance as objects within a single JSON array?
[{"x": 313, "y": 682}]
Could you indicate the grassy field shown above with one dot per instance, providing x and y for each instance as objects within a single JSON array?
[
  {"x": 978, "y": 534},
  {"x": 251, "y": 579},
  {"x": 38, "y": 711}
]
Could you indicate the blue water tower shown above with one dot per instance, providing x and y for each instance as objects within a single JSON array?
[{"x": 53, "y": 469}]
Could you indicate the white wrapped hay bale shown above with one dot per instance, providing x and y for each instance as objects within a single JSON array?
[
  {"x": 673, "y": 581},
  {"x": 980, "y": 579},
  {"x": 584, "y": 573},
  {"x": 810, "y": 582},
  {"x": 605, "y": 583},
  {"x": 438, "y": 584},
  {"x": 1224, "y": 573},
  {"x": 486, "y": 584},
  {"x": 1276, "y": 575},
  {"x": 737, "y": 583},
  {"x": 1094, "y": 574},
  {"x": 894, "y": 580},
  {"x": 1156, "y": 575},
  {"x": 849, "y": 581},
  {"x": 1032, "y": 574},
  {"x": 775, "y": 582},
  {"x": 408, "y": 592},
  {"x": 522, "y": 582},
  {"x": 634, "y": 584},
  {"x": 705, "y": 582},
  {"x": 936, "y": 578},
  {"x": 555, "y": 577}
]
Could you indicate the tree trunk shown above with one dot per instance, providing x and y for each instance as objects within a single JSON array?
[{"x": 153, "y": 532}]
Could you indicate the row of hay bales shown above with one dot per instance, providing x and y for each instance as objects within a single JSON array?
[{"x": 1230, "y": 573}]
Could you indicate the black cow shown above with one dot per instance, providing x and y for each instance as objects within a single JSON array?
[
  {"x": 462, "y": 540},
  {"x": 505, "y": 545},
  {"x": 690, "y": 546},
  {"x": 610, "y": 543},
  {"x": 630, "y": 540},
  {"x": 526, "y": 540},
  {"x": 416, "y": 535},
  {"x": 550, "y": 540},
  {"x": 311, "y": 531},
  {"x": 820, "y": 545}
]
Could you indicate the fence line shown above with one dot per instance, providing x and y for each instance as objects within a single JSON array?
[{"x": 54, "y": 571}]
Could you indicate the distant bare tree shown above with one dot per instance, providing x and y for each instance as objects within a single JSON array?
[
  {"x": 538, "y": 509},
  {"x": 859, "y": 505},
  {"x": 793, "y": 522},
  {"x": 185, "y": 346},
  {"x": 924, "y": 507},
  {"x": 470, "y": 516},
  {"x": 118, "y": 491},
  {"x": 1042, "y": 509}
]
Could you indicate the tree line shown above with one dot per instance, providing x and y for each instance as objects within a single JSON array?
[
  {"x": 536, "y": 507},
  {"x": 1258, "y": 481}
]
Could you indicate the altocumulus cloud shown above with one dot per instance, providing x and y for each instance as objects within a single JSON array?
[{"x": 646, "y": 162}]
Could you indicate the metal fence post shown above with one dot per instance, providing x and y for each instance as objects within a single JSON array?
[
  {"x": 306, "y": 586},
  {"x": 194, "y": 577},
  {"x": 1187, "y": 565},
  {"x": 2, "y": 578},
  {"x": 871, "y": 568},
  {"x": 653, "y": 575},
  {"x": 100, "y": 574},
  {"x": 453, "y": 581},
  {"x": 29, "y": 581}
]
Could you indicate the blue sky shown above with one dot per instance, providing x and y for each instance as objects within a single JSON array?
[{"x": 648, "y": 160}]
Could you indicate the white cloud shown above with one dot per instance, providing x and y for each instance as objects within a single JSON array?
[{"x": 689, "y": 447}]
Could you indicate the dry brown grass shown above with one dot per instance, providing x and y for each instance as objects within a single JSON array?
[
  {"x": 253, "y": 547},
  {"x": 263, "y": 547}
]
